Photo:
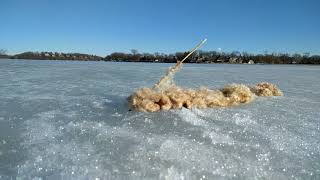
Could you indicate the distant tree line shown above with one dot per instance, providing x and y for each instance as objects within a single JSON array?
[
  {"x": 198, "y": 57},
  {"x": 55, "y": 56},
  {"x": 216, "y": 57}
]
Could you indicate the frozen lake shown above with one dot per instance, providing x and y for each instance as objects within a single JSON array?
[{"x": 69, "y": 120}]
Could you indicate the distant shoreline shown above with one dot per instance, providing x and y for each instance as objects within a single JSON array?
[
  {"x": 151, "y": 62},
  {"x": 200, "y": 57}
]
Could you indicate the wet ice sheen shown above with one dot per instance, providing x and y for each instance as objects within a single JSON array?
[{"x": 69, "y": 120}]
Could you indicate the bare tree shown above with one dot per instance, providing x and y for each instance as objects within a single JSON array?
[
  {"x": 134, "y": 51},
  {"x": 3, "y": 52},
  {"x": 306, "y": 54}
]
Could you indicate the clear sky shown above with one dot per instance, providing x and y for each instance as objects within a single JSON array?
[{"x": 104, "y": 26}]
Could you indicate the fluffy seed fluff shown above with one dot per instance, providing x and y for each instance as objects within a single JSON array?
[{"x": 174, "y": 97}]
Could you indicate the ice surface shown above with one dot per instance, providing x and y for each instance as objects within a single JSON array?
[{"x": 69, "y": 120}]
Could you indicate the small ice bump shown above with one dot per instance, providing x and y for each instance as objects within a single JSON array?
[
  {"x": 48, "y": 114},
  {"x": 218, "y": 137},
  {"x": 107, "y": 100},
  {"x": 71, "y": 114},
  {"x": 243, "y": 119},
  {"x": 147, "y": 120},
  {"x": 190, "y": 117},
  {"x": 116, "y": 114},
  {"x": 38, "y": 159},
  {"x": 171, "y": 174},
  {"x": 199, "y": 112},
  {"x": 98, "y": 105}
]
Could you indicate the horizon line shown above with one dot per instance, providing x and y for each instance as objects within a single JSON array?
[{"x": 10, "y": 53}]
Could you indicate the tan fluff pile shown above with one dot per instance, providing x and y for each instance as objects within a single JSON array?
[
  {"x": 174, "y": 97},
  {"x": 267, "y": 89}
]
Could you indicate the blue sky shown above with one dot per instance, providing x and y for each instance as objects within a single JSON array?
[{"x": 104, "y": 26}]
